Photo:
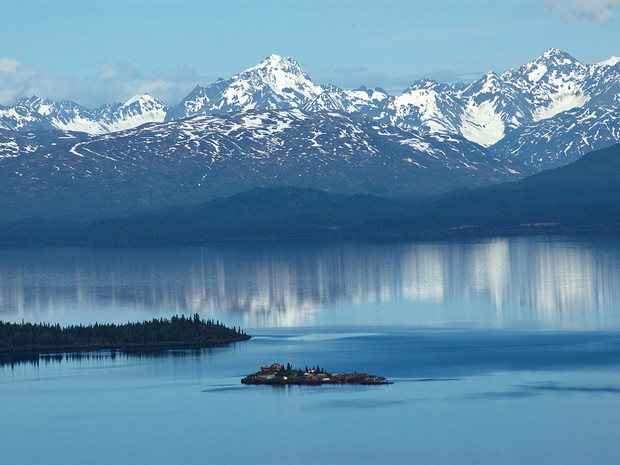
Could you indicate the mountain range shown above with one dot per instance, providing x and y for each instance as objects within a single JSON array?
[
  {"x": 271, "y": 126},
  {"x": 545, "y": 113},
  {"x": 36, "y": 113}
]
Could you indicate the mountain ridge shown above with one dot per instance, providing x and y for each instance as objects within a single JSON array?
[
  {"x": 490, "y": 111},
  {"x": 195, "y": 159}
]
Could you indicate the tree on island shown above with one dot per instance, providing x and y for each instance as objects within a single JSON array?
[{"x": 179, "y": 332}]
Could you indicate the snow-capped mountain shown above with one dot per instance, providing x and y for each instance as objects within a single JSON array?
[
  {"x": 136, "y": 111},
  {"x": 485, "y": 111},
  {"x": 553, "y": 97},
  {"x": 275, "y": 83},
  {"x": 35, "y": 113},
  {"x": 551, "y": 84},
  {"x": 428, "y": 105},
  {"x": 560, "y": 140},
  {"x": 203, "y": 157}
]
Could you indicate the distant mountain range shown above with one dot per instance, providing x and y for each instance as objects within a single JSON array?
[
  {"x": 271, "y": 126},
  {"x": 36, "y": 114},
  {"x": 571, "y": 106}
]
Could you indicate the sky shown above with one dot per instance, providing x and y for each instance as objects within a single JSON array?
[{"x": 95, "y": 51}]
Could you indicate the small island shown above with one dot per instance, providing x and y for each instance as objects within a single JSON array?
[
  {"x": 279, "y": 375},
  {"x": 178, "y": 332}
]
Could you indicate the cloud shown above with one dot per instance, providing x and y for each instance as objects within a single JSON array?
[
  {"x": 112, "y": 82},
  {"x": 594, "y": 11},
  {"x": 18, "y": 80},
  {"x": 8, "y": 65}
]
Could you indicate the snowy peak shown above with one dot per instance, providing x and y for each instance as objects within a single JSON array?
[
  {"x": 45, "y": 107},
  {"x": 551, "y": 66},
  {"x": 363, "y": 100},
  {"x": 33, "y": 102},
  {"x": 426, "y": 105},
  {"x": 551, "y": 84},
  {"x": 191, "y": 105},
  {"x": 490, "y": 83},
  {"x": 200, "y": 101},
  {"x": 274, "y": 83},
  {"x": 331, "y": 98},
  {"x": 138, "y": 110},
  {"x": 36, "y": 113},
  {"x": 612, "y": 61},
  {"x": 143, "y": 100},
  {"x": 274, "y": 65},
  {"x": 141, "y": 106},
  {"x": 429, "y": 84},
  {"x": 484, "y": 111},
  {"x": 556, "y": 57}
]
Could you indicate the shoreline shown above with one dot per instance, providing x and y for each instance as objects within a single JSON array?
[{"x": 184, "y": 333}]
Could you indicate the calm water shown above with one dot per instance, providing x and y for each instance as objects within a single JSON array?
[{"x": 503, "y": 351}]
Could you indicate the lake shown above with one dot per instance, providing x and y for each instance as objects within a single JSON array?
[{"x": 502, "y": 351}]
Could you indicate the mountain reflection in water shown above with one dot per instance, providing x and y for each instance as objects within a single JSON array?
[{"x": 561, "y": 282}]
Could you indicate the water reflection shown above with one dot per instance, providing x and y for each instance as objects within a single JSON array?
[
  {"x": 498, "y": 281},
  {"x": 94, "y": 357}
]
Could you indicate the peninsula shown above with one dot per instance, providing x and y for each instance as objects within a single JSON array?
[
  {"x": 278, "y": 374},
  {"x": 178, "y": 332}
]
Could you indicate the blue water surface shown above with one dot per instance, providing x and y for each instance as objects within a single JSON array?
[{"x": 502, "y": 351}]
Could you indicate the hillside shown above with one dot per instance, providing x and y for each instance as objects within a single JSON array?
[
  {"x": 583, "y": 197},
  {"x": 206, "y": 157}
]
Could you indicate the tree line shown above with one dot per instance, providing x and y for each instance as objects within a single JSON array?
[{"x": 176, "y": 331}]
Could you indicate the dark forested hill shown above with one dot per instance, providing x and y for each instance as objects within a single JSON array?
[{"x": 583, "y": 197}]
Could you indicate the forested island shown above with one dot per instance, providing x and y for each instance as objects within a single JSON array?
[
  {"x": 278, "y": 375},
  {"x": 178, "y": 332}
]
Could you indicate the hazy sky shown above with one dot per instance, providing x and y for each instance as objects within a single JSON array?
[{"x": 96, "y": 51}]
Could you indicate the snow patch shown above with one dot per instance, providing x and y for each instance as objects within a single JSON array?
[
  {"x": 609, "y": 62},
  {"x": 422, "y": 100},
  {"x": 482, "y": 124},
  {"x": 253, "y": 122},
  {"x": 537, "y": 73},
  {"x": 418, "y": 145},
  {"x": 79, "y": 124},
  {"x": 564, "y": 100},
  {"x": 410, "y": 160}
]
